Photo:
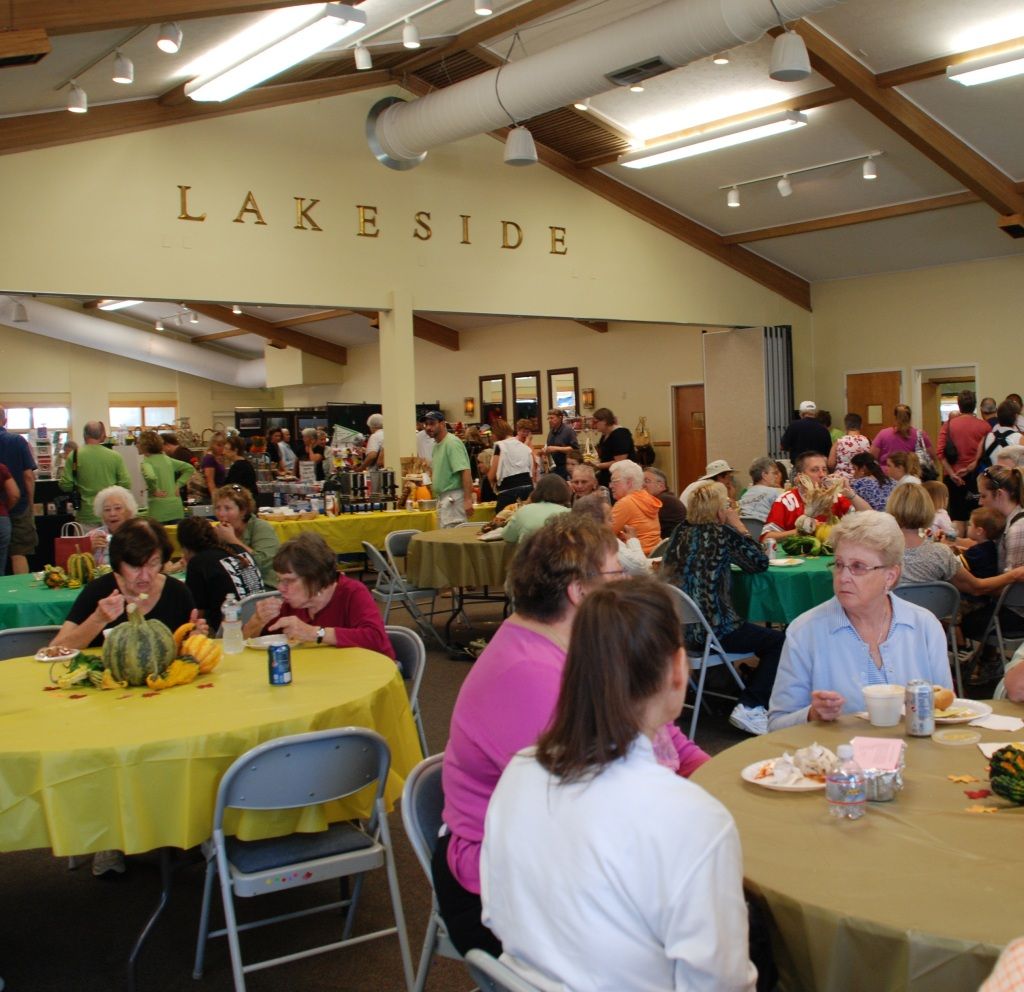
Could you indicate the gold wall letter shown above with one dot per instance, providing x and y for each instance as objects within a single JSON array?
[
  {"x": 465, "y": 229},
  {"x": 422, "y": 232},
  {"x": 506, "y": 226},
  {"x": 184, "y": 214},
  {"x": 249, "y": 206},
  {"x": 302, "y": 215},
  {"x": 557, "y": 241},
  {"x": 367, "y": 221}
]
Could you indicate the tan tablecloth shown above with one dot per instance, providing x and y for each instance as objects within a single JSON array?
[
  {"x": 918, "y": 896},
  {"x": 457, "y": 557}
]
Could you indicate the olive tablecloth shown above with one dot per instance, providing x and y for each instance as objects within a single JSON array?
[
  {"x": 920, "y": 895},
  {"x": 134, "y": 772},
  {"x": 457, "y": 557},
  {"x": 344, "y": 534},
  {"x": 782, "y": 593},
  {"x": 26, "y": 602}
]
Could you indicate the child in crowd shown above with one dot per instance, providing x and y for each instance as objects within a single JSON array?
[
  {"x": 984, "y": 528},
  {"x": 903, "y": 467},
  {"x": 942, "y": 524}
]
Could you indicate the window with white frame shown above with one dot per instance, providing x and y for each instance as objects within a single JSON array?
[
  {"x": 136, "y": 416},
  {"x": 21, "y": 419}
]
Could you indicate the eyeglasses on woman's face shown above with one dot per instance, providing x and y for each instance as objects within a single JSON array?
[{"x": 858, "y": 569}]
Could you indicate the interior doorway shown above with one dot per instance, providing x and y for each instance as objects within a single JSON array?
[
  {"x": 938, "y": 389},
  {"x": 690, "y": 433},
  {"x": 873, "y": 395}
]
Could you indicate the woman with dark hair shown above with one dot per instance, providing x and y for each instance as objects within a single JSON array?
[
  {"x": 508, "y": 698},
  {"x": 240, "y": 471},
  {"x": 870, "y": 483},
  {"x": 138, "y": 552},
  {"x": 237, "y": 523},
  {"x": 317, "y": 604},
  {"x": 902, "y": 436},
  {"x": 550, "y": 497},
  {"x": 214, "y": 571},
  {"x": 847, "y": 445},
  {"x": 600, "y": 869}
]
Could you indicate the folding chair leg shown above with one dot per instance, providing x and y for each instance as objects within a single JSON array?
[
  {"x": 231, "y": 928},
  {"x": 204, "y": 919},
  {"x": 427, "y": 954},
  {"x": 698, "y": 697},
  {"x": 350, "y": 916},
  {"x": 951, "y": 632},
  {"x": 396, "y": 901}
]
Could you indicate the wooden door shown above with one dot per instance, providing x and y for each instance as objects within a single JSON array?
[
  {"x": 930, "y": 415},
  {"x": 873, "y": 395},
  {"x": 690, "y": 439}
]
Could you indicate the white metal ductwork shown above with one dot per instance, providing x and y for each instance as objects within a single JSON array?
[
  {"x": 127, "y": 342},
  {"x": 676, "y": 33}
]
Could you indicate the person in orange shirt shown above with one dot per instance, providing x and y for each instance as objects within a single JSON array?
[{"x": 635, "y": 511}]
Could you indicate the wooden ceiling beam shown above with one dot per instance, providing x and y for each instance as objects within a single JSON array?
[
  {"x": 428, "y": 330},
  {"x": 601, "y": 326},
  {"x": 68, "y": 17},
  {"x": 911, "y": 123},
  {"x": 937, "y": 67},
  {"x": 854, "y": 217},
  {"x": 253, "y": 325},
  {"x": 312, "y": 318}
]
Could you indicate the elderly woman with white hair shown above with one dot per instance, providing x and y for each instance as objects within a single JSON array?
[
  {"x": 113, "y": 505},
  {"x": 863, "y": 636},
  {"x": 635, "y": 511},
  {"x": 374, "y": 457},
  {"x": 1012, "y": 456}
]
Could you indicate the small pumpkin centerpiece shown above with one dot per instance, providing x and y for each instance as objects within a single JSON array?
[
  {"x": 1006, "y": 770},
  {"x": 138, "y": 648},
  {"x": 203, "y": 650}
]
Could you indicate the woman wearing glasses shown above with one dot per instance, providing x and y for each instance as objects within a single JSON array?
[
  {"x": 862, "y": 636},
  {"x": 237, "y": 524}
]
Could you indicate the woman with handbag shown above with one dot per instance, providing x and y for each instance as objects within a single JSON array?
[{"x": 903, "y": 436}]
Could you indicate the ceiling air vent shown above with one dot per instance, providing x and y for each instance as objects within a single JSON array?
[
  {"x": 23, "y": 47},
  {"x": 638, "y": 72}
]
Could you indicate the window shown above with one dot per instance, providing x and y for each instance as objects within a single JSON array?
[
  {"x": 133, "y": 416},
  {"x": 21, "y": 419}
]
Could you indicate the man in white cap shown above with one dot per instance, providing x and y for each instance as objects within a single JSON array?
[
  {"x": 807, "y": 433},
  {"x": 717, "y": 471}
]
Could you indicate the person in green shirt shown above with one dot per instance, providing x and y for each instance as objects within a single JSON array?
[
  {"x": 92, "y": 468},
  {"x": 453, "y": 482},
  {"x": 164, "y": 477}
]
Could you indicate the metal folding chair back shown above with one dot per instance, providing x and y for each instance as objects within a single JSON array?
[
  {"x": 658, "y": 551},
  {"x": 701, "y": 660},
  {"x": 411, "y": 655},
  {"x": 493, "y": 976},
  {"x": 754, "y": 526},
  {"x": 942, "y": 600},
  {"x": 393, "y": 588},
  {"x": 396, "y": 546},
  {"x": 422, "y": 803},
  {"x": 290, "y": 773},
  {"x": 19, "y": 642}
]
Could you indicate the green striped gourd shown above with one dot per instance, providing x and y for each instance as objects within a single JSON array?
[
  {"x": 1006, "y": 770},
  {"x": 138, "y": 648},
  {"x": 81, "y": 566}
]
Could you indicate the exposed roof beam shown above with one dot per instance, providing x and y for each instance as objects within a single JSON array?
[
  {"x": 428, "y": 330},
  {"x": 601, "y": 326},
  {"x": 911, "y": 123},
  {"x": 68, "y": 17},
  {"x": 855, "y": 217},
  {"x": 253, "y": 325},
  {"x": 937, "y": 67},
  {"x": 222, "y": 335},
  {"x": 58, "y": 127},
  {"x": 312, "y": 318}
]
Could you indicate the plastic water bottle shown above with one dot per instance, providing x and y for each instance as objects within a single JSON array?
[
  {"x": 844, "y": 787},
  {"x": 231, "y": 628}
]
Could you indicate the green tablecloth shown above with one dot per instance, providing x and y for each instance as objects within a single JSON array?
[
  {"x": 919, "y": 895},
  {"x": 457, "y": 557},
  {"x": 781, "y": 594},
  {"x": 26, "y": 602}
]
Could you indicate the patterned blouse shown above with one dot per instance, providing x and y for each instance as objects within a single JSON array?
[
  {"x": 846, "y": 447},
  {"x": 873, "y": 492},
  {"x": 697, "y": 560}
]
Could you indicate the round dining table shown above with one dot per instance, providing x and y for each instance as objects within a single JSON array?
[
  {"x": 26, "y": 602},
  {"x": 783, "y": 592},
  {"x": 457, "y": 557},
  {"x": 85, "y": 770},
  {"x": 919, "y": 895}
]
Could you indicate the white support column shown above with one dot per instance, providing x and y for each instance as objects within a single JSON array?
[{"x": 398, "y": 379}]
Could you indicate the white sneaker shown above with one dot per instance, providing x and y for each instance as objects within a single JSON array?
[
  {"x": 106, "y": 862},
  {"x": 752, "y": 719}
]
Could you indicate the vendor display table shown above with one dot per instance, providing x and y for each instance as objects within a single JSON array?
[
  {"x": 919, "y": 895},
  {"x": 782, "y": 593}
]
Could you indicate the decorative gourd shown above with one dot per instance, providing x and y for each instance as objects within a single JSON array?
[
  {"x": 138, "y": 648},
  {"x": 204, "y": 650},
  {"x": 1006, "y": 769},
  {"x": 81, "y": 567},
  {"x": 181, "y": 633},
  {"x": 181, "y": 671},
  {"x": 423, "y": 492}
]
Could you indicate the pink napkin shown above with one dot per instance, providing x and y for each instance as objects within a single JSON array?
[{"x": 882, "y": 753}]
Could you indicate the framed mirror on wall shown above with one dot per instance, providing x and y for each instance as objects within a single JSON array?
[
  {"x": 526, "y": 398},
  {"x": 564, "y": 390},
  {"x": 492, "y": 399}
]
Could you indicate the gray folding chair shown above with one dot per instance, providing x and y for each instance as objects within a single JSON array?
[
  {"x": 943, "y": 601},
  {"x": 290, "y": 773},
  {"x": 493, "y": 976},
  {"x": 19, "y": 642},
  {"x": 710, "y": 656},
  {"x": 422, "y": 802},
  {"x": 1012, "y": 597},
  {"x": 411, "y": 656},
  {"x": 392, "y": 588},
  {"x": 754, "y": 526},
  {"x": 658, "y": 551}
]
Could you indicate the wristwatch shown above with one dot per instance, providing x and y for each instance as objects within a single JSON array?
[{"x": 321, "y": 632}]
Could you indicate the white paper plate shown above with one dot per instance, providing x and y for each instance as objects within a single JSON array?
[
  {"x": 749, "y": 774},
  {"x": 976, "y": 707},
  {"x": 50, "y": 659},
  {"x": 265, "y": 641},
  {"x": 785, "y": 562}
]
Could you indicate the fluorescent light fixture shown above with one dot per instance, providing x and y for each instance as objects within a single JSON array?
[
  {"x": 78, "y": 101},
  {"x": 722, "y": 58},
  {"x": 364, "y": 60},
  {"x": 124, "y": 70},
  {"x": 583, "y": 105},
  {"x": 326, "y": 25},
  {"x": 987, "y": 70},
  {"x": 869, "y": 170},
  {"x": 483, "y": 8},
  {"x": 710, "y": 141},
  {"x": 789, "y": 61},
  {"x": 785, "y": 187},
  {"x": 170, "y": 38},
  {"x": 520, "y": 148},
  {"x": 732, "y": 198},
  {"x": 410, "y": 35},
  {"x": 109, "y": 305}
]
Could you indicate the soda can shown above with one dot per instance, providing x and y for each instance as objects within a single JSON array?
[
  {"x": 279, "y": 663},
  {"x": 920, "y": 708},
  {"x": 769, "y": 547}
]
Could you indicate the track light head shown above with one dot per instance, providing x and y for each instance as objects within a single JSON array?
[
  {"x": 170, "y": 38},
  {"x": 483, "y": 8},
  {"x": 193, "y": 317},
  {"x": 732, "y": 198},
  {"x": 869, "y": 170},
  {"x": 636, "y": 88},
  {"x": 722, "y": 58},
  {"x": 785, "y": 187},
  {"x": 364, "y": 60},
  {"x": 236, "y": 309},
  {"x": 410, "y": 35},
  {"x": 519, "y": 147},
  {"x": 78, "y": 101},
  {"x": 124, "y": 70},
  {"x": 582, "y": 105},
  {"x": 158, "y": 325},
  {"x": 789, "y": 62}
]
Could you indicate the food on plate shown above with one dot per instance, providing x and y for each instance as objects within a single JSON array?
[
  {"x": 943, "y": 698},
  {"x": 954, "y": 713},
  {"x": 812, "y": 762},
  {"x": 56, "y": 653}
]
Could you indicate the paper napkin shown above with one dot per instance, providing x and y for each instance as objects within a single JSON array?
[{"x": 995, "y": 722}]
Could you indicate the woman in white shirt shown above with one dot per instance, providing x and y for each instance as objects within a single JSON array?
[
  {"x": 601, "y": 869},
  {"x": 514, "y": 466}
]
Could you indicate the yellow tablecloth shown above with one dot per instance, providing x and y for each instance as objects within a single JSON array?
[
  {"x": 345, "y": 534},
  {"x": 125, "y": 771},
  {"x": 919, "y": 895},
  {"x": 457, "y": 557}
]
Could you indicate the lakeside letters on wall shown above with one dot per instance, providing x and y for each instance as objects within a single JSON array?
[{"x": 368, "y": 222}]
